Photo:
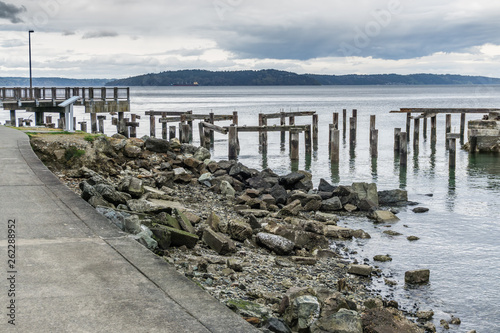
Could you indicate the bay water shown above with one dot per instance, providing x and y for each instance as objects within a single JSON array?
[{"x": 459, "y": 236}]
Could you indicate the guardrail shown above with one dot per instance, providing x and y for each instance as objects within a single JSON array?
[{"x": 60, "y": 93}]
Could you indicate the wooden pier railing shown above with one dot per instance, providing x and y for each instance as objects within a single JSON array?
[{"x": 60, "y": 93}]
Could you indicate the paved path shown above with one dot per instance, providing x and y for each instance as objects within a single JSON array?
[{"x": 76, "y": 272}]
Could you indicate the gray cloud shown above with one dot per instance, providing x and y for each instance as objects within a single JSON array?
[
  {"x": 99, "y": 34},
  {"x": 11, "y": 12}
]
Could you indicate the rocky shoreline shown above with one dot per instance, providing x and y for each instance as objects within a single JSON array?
[{"x": 258, "y": 242}]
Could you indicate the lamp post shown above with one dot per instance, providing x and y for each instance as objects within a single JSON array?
[{"x": 31, "y": 78}]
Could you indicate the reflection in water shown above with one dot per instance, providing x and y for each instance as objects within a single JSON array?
[
  {"x": 264, "y": 160},
  {"x": 308, "y": 162},
  {"x": 485, "y": 165},
  {"x": 450, "y": 202},
  {"x": 402, "y": 177},
  {"x": 415, "y": 161},
  {"x": 374, "y": 170},
  {"x": 294, "y": 165},
  {"x": 335, "y": 173},
  {"x": 352, "y": 160}
]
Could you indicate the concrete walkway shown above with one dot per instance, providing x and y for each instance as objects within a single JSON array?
[{"x": 76, "y": 272}]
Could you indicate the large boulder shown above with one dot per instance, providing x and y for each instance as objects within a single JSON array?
[
  {"x": 239, "y": 230},
  {"x": 278, "y": 244},
  {"x": 331, "y": 205},
  {"x": 110, "y": 194},
  {"x": 343, "y": 321},
  {"x": 218, "y": 242},
  {"x": 279, "y": 193},
  {"x": 325, "y": 186},
  {"x": 202, "y": 154},
  {"x": 420, "y": 276},
  {"x": 366, "y": 191},
  {"x": 289, "y": 181},
  {"x": 388, "y": 320},
  {"x": 132, "y": 185},
  {"x": 392, "y": 197},
  {"x": 157, "y": 145},
  {"x": 306, "y": 310},
  {"x": 241, "y": 172}
]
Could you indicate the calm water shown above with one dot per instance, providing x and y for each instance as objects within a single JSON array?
[{"x": 459, "y": 236}]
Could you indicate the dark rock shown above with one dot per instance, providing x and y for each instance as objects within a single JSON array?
[
  {"x": 253, "y": 222},
  {"x": 292, "y": 209},
  {"x": 98, "y": 200},
  {"x": 420, "y": 210},
  {"x": 218, "y": 242},
  {"x": 239, "y": 230},
  {"x": 240, "y": 172},
  {"x": 362, "y": 270},
  {"x": 258, "y": 183},
  {"x": 132, "y": 185},
  {"x": 157, "y": 145},
  {"x": 291, "y": 179},
  {"x": 331, "y": 205},
  {"x": 388, "y": 320},
  {"x": 162, "y": 236},
  {"x": 110, "y": 194},
  {"x": 278, "y": 244},
  {"x": 325, "y": 195},
  {"x": 132, "y": 151},
  {"x": 420, "y": 276},
  {"x": 226, "y": 165},
  {"x": 303, "y": 239},
  {"x": 88, "y": 190},
  {"x": 325, "y": 186},
  {"x": 276, "y": 325},
  {"x": 279, "y": 193},
  {"x": 343, "y": 321},
  {"x": 366, "y": 205},
  {"x": 180, "y": 238},
  {"x": 392, "y": 197},
  {"x": 366, "y": 191}
]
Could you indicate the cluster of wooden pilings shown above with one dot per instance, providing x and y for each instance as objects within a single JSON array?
[{"x": 402, "y": 139}]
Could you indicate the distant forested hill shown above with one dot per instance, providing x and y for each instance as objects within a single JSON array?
[
  {"x": 271, "y": 77},
  {"x": 51, "y": 82},
  {"x": 223, "y": 78}
]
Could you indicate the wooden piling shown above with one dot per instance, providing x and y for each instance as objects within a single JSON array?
[
  {"x": 416, "y": 133},
  {"x": 408, "y": 126},
  {"x": 211, "y": 121},
  {"x": 283, "y": 133},
  {"x": 233, "y": 142},
  {"x": 93, "y": 123},
  {"x": 372, "y": 127},
  {"x": 201, "y": 130},
  {"x": 152, "y": 126},
  {"x": 235, "y": 118},
  {"x": 291, "y": 122},
  {"x": 315, "y": 121},
  {"x": 171, "y": 132},
  {"x": 453, "y": 152},
  {"x": 448, "y": 123},
  {"x": 164, "y": 126},
  {"x": 352, "y": 132},
  {"x": 206, "y": 134},
  {"x": 433, "y": 129},
  {"x": 185, "y": 133},
  {"x": 294, "y": 148},
  {"x": 355, "y": 113},
  {"x": 100, "y": 120},
  {"x": 307, "y": 140},
  {"x": 344, "y": 123},
  {"x": 262, "y": 134},
  {"x": 397, "y": 145},
  {"x": 374, "y": 143},
  {"x": 403, "y": 149},
  {"x": 425, "y": 128},
  {"x": 336, "y": 120},
  {"x": 462, "y": 128},
  {"x": 334, "y": 145}
]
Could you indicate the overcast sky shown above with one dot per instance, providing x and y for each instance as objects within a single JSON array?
[{"x": 121, "y": 38}]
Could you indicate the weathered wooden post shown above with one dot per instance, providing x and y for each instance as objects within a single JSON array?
[
  {"x": 374, "y": 143},
  {"x": 433, "y": 129},
  {"x": 448, "y": 123},
  {"x": 403, "y": 149},
  {"x": 233, "y": 142},
  {"x": 101, "y": 123},
  {"x": 190, "y": 126},
  {"x": 334, "y": 145},
  {"x": 283, "y": 132},
  {"x": 164, "y": 125},
  {"x": 397, "y": 133},
  {"x": 372, "y": 126},
  {"x": 235, "y": 118},
  {"x": 336, "y": 120},
  {"x": 416, "y": 134},
  {"x": 262, "y": 133},
  {"x": 315, "y": 121},
  {"x": 211, "y": 121},
  {"x": 13, "y": 117},
  {"x": 291, "y": 122},
  {"x": 206, "y": 134},
  {"x": 152, "y": 125},
  {"x": 294, "y": 148},
  {"x": 307, "y": 140},
  {"x": 83, "y": 126},
  {"x": 425, "y": 128},
  {"x": 462, "y": 128},
  {"x": 408, "y": 126},
  {"x": 452, "y": 146},
  {"x": 171, "y": 132},
  {"x": 352, "y": 132},
  {"x": 201, "y": 129},
  {"x": 184, "y": 135},
  {"x": 93, "y": 123},
  {"x": 344, "y": 122}
]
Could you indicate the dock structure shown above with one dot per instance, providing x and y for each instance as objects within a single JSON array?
[{"x": 42, "y": 100}]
